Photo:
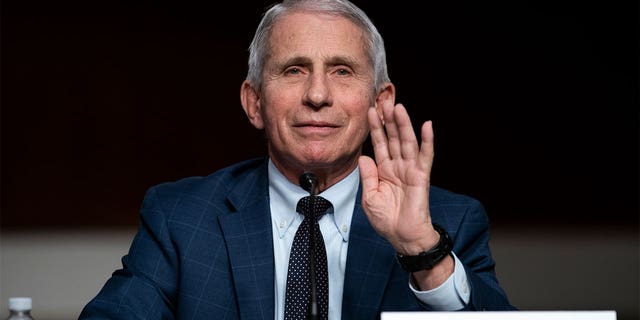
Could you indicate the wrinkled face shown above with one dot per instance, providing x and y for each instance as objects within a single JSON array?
[{"x": 317, "y": 87}]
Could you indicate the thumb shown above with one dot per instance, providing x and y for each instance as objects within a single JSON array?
[{"x": 368, "y": 174}]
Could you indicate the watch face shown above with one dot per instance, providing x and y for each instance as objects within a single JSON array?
[{"x": 426, "y": 260}]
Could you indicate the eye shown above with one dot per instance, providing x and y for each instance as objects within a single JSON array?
[
  {"x": 293, "y": 71},
  {"x": 343, "y": 72}
]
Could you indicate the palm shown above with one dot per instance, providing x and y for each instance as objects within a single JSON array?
[{"x": 395, "y": 189}]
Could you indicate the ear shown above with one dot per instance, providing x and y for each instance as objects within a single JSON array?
[
  {"x": 250, "y": 100},
  {"x": 386, "y": 94}
]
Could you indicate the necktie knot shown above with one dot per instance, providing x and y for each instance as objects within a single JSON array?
[{"x": 315, "y": 206}]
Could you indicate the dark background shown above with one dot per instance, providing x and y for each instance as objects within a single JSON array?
[{"x": 535, "y": 104}]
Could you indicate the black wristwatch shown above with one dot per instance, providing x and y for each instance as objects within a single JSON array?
[{"x": 426, "y": 260}]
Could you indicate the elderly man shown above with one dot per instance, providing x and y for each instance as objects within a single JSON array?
[{"x": 237, "y": 244}]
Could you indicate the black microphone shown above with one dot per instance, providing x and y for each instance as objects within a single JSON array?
[{"x": 309, "y": 182}]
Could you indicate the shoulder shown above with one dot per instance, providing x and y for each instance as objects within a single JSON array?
[
  {"x": 216, "y": 185},
  {"x": 450, "y": 206}
]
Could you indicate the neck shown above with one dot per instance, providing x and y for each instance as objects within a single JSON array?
[{"x": 328, "y": 174}]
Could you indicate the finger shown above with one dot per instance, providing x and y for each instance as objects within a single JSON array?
[
  {"x": 426, "y": 147},
  {"x": 391, "y": 127},
  {"x": 378, "y": 137},
  {"x": 368, "y": 175},
  {"x": 408, "y": 140}
]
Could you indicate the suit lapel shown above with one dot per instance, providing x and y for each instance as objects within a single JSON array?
[
  {"x": 248, "y": 235},
  {"x": 369, "y": 262}
]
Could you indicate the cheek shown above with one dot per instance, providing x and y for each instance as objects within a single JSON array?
[
  {"x": 274, "y": 120},
  {"x": 270, "y": 123},
  {"x": 360, "y": 125},
  {"x": 360, "y": 107},
  {"x": 363, "y": 130},
  {"x": 361, "y": 97}
]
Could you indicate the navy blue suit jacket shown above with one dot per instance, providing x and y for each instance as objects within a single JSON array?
[{"x": 204, "y": 250}]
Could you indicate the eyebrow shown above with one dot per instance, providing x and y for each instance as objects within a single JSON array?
[{"x": 304, "y": 61}]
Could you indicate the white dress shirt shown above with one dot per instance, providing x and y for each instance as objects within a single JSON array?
[{"x": 453, "y": 294}]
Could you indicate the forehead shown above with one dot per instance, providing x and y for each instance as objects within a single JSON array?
[{"x": 306, "y": 32}]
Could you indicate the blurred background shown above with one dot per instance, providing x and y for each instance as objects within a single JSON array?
[{"x": 534, "y": 105}]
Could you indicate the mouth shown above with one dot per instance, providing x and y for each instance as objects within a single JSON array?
[
  {"x": 316, "y": 127},
  {"x": 315, "y": 124}
]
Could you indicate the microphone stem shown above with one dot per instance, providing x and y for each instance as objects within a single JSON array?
[
  {"x": 309, "y": 182},
  {"x": 312, "y": 258}
]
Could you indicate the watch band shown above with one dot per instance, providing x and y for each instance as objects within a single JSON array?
[{"x": 426, "y": 260}]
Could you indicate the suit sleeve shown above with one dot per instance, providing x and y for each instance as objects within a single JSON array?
[
  {"x": 471, "y": 245},
  {"x": 145, "y": 286}
]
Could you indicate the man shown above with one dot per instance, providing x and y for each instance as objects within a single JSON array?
[{"x": 219, "y": 247}]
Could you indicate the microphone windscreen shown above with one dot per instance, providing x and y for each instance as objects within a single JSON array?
[{"x": 308, "y": 181}]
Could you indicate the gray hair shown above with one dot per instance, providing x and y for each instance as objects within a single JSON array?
[{"x": 259, "y": 47}]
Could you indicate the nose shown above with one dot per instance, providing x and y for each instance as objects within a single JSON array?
[{"x": 318, "y": 93}]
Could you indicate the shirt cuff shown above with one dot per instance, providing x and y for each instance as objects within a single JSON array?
[{"x": 451, "y": 295}]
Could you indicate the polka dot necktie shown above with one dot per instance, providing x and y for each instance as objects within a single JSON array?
[{"x": 298, "y": 294}]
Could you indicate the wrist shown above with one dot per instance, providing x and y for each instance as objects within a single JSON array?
[
  {"x": 426, "y": 260},
  {"x": 417, "y": 245}
]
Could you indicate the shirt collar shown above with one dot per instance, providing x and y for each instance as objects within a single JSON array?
[{"x": 284, "y": 197}]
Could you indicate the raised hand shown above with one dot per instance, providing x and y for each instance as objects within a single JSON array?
[{"x": 395, "y": 186}]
